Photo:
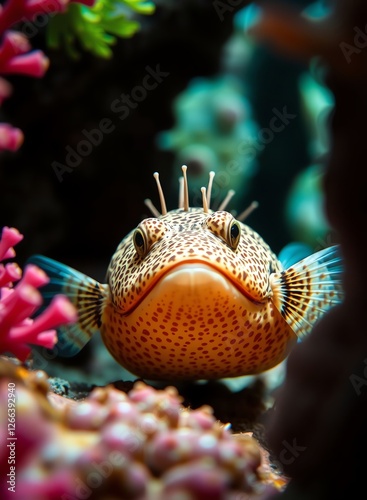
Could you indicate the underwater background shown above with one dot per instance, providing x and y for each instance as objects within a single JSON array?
[
  {"x": 80, "y": 216},
  {"x": 185, "y": 82},
  {"x": 188, "y": 85}
]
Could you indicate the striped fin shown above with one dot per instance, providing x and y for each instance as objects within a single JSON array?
[
  {"x": 86, "y": 294},
  {"x": 306, "y": 290}
]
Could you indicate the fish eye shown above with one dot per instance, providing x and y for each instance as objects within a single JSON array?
[
  {"x": 147, "y": 234},
  {"x": 234, "y": 234},
  {"x": 140, "y": 242}
]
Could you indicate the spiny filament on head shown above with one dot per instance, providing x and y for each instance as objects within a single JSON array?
[
  {"x": 183, "y": 200},
  {"x": 161, "y": 194}
]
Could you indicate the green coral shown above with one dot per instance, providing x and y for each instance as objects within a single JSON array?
[{"x": 96, "y": 28}]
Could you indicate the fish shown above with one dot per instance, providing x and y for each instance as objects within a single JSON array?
[{"x": 195, "y": 293}]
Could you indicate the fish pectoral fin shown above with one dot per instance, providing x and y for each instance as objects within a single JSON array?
[
  {"x": 306, "y": 290},
  {"x": 293, "y": 253},
  {"x": 86, "y": 294}
]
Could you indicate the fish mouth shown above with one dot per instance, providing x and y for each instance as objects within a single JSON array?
[{"x": 192, "y": 279}]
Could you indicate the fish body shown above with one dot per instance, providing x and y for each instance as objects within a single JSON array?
[{"x": 196, "y": 294}]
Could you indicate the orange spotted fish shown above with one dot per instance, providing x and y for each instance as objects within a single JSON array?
[{"x": 196, "y": 294}]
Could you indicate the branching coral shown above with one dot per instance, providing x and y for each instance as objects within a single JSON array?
[
  {"x": 16, "y": 58},
  {"x": 17, "y": 303},
  {"x": 141, "y": 445}
]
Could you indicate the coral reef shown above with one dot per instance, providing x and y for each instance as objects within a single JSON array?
[
  {"x": 142, "y": 445},
  {"x": 19, "y": 302}
]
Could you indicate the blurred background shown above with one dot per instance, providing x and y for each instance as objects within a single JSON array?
[{"x": 221, "y": 103}]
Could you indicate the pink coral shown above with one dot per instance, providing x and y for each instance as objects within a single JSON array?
[
  {"x": 17, "y": 303},
  {"x": 19, "y": 10},
  {"x": 5, "y": 90},
  {"x": 15, "y": 56},
  {"x": 143, "y": 445},
  {"x": 11, "y": 138}
]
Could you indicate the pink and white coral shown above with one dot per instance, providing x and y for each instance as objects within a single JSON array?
[
  {"x": 18, "y": 303},
  {"x": 143, "y": 445}
]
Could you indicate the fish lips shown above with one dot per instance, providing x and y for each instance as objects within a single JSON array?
[{"x": 192, "y": 281}]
